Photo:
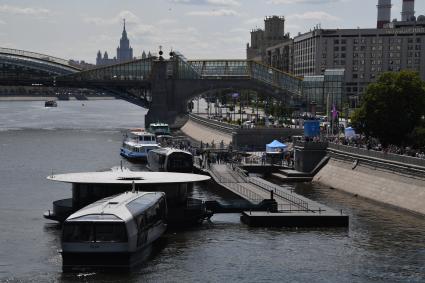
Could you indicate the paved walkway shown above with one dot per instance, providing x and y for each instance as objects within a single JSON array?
[{"x": 204, "y": 134}]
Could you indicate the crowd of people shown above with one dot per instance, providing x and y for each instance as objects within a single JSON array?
[{"x": 374, "y": 144}]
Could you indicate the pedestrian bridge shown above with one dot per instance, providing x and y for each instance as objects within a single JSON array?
[
  {"x": 21, "y": 67},
  {"x": 139, "y": 72},
  {"x": 174, "y": 82},
  {"x": 165, "y": 86}
]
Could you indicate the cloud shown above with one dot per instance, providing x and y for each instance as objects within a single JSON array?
[
  {"x": 130, "y": 17},
  {"x": 316, "y": 15},
  {"x": 167, "y": 22},
  {"x": 16, "y": 10},
  {"x": 214, "y": 13},
  {"x": 208, "y": 2},
  {"x": 2, "y": 22},
  {"x": 253, "y": 21},
  {"x": 277, "y": 2},
  {"x": 224, "y": 2}
]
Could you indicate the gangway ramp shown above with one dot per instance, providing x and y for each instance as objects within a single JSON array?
[{"x": 292, "y": 208}]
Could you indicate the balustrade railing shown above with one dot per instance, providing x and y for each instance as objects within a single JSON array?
[{"x": 407, "y": 160}]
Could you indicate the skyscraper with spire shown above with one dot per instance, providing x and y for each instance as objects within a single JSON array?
[{"x": 124, "y": 51}]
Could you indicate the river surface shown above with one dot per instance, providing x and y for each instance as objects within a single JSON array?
[{"x": 380, "y": 245}]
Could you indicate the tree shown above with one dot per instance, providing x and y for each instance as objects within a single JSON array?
[{"x": 391, "y": 108}]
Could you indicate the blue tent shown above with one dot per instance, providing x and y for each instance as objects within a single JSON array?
[
  {"x": 275, "y": 147},
  {"x": 349, "y": 132}
]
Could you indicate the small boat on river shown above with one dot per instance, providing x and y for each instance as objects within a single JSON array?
[
  {"x": 170, "y": 160},
  {"x": 50, "y": 103},
  {"x": 159, "y": 129},
  {"x": 113, "y": 232},
  {"x": 137, "y": 144}
]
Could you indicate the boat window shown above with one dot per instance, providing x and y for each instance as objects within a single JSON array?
[
  {"x": 94, "y": 232},
  {"x": 178, "y": 162},
  {"x": 110, "y": 232},
  {"x": 78, "y": 232}
]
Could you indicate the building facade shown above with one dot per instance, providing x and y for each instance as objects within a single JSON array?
[
  {"x": 261, "y": 39},
  {"x": 363, "y": 53},
  {"x": 280, "y": 56}
]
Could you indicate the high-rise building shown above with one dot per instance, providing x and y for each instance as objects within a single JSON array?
[
  {"x": 273, "y": 33},
  {"x": 363, "y": 53},
  {"x": 124, "y": 52}
]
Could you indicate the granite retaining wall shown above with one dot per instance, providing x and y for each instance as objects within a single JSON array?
[{"x": 375, "y": 180}]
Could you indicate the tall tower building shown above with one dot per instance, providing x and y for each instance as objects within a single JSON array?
[
  {"x": 384, "y": 13},
  {"x": 124, "y": 51},
  {"x": 408, "y": 10}
]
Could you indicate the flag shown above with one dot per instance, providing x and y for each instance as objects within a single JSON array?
[{"x": 334, "y": 112}]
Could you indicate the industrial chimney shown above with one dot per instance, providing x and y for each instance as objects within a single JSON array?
[
  {"x": 384, "y": 13},
  {"x": 408, "y": 11}
]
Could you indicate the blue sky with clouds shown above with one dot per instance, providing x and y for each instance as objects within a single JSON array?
[{"x": 202, "y": 29}]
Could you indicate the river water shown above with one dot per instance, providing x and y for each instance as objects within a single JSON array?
[{"x": 381, "y": 244}]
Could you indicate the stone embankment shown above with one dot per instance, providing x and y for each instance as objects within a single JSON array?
[
  {"x": 398, "y": 181},
  {"x": 200, "y": 132},
  {"x": 208, "y": 130}
]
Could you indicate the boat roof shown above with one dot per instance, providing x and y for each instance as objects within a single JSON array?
[
  {"x": 141, "y": 133},
  {"x": 141, "y": 144},
  {"x": 158, "y": 124},
  {"x": 117, "y": 208},
  {"x": 126, "y": 176},
  {"x": 169, "y": 150}
]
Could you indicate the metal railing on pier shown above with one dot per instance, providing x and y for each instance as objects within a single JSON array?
[{"x": 301, "y": 204}]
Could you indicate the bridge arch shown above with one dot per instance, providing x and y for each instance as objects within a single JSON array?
[
  {"x": 21, "y": 67},
  {"x": 186, "y": 91}
]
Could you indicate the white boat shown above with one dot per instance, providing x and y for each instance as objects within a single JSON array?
[
  {"x": 137, "y": 144},
  {"x": 88, "y": 187},
  {"x": 170, "y": 160},
  {"x": 159, "y": 128},
  {"x": 113, "y": 232}
]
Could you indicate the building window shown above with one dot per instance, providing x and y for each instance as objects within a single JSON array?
[{"x": 336, "y": 41}]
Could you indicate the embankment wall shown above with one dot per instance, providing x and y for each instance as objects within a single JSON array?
[{"x": 401, "y": 186}]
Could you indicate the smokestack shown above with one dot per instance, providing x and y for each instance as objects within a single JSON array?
[
  {"x": 384, "y": 13},
  {"x": 408, "y": 11}
]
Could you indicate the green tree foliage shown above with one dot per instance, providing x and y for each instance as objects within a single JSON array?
[{"x": 391, "y": 108}]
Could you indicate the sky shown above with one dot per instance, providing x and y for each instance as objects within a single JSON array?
[{"x": 199, "y": 29}]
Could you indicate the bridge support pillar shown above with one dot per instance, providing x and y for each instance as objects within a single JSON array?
[{"x": 164, "y": 107}]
